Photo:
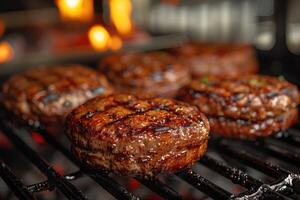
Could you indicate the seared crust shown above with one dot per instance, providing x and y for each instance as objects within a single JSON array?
[
  {"x": 130, "y": 135},
  {"x": 242, "y": 128},
  {"x": 251, "y": 97},
  {"x": 221, "y": 60},
  {"x": 45, "y": 95},
  {"x": 155, "y": 73}
]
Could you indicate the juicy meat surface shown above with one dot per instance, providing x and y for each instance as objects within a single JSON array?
[
  {"x": 132, "y": 135},
  {"x": 251, "y": 97},
  {"x": 155, "y": 73},
  {"x": 248, "y": 129},
  {"x": 221, "y": 60},
  {"x": 45, "y": 95}
]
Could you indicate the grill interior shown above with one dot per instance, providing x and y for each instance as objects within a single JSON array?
[
  {"x": 285, "y": 182},
  {"x": 262, "y": 169}
]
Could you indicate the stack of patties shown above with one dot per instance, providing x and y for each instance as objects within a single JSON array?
[{"x": 248, "y": 106}]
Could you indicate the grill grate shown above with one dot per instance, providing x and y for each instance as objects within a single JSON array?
[
  {"x": 286, "y": 183},
  {"x": 14, "y": 183}
]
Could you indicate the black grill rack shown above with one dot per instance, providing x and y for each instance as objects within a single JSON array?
[{"x": 286, "y": 184}]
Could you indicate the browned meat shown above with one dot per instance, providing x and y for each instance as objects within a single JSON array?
[
  {"x": 250, "y": 105},
  {"x": 137, "y": 136},
  {"x": 46, "y": 95},
  {"x": 155, "y": 73},
  {"x": 218, "y": 59},
  {"x": 248, "y": 129},
  {"x": 252, "y": 97}
]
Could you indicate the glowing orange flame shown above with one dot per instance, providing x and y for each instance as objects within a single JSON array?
[
  {"x": 120, "y": 13},
  {"x": 99, "y": 37},
  {"x": 76, "y": 10},
  {"x": 101, "y": 40},
  {"x": 115, "y": 43},
  {"x": 6, "y": 52}
]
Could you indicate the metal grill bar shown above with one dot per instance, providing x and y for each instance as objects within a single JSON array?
[
  {"x": 98, "y": 176},
  {"x": 248, "y": 159},
  {"x": 237, "y": 176},
  {"x": 204, "y": 185},
  {"x": 14, "y": 183},
  {"x": 46, "y": 185},
  {"x": 288, "y": 138},
  {"x": 254, "y": 186},
  {"x": 160, "y": 188},
  {"x": 70, "y": 191},
  {"x": 154, "y": 184},
  {"x": 279, "y": 152},
  {"x": 265, "y": 167}
]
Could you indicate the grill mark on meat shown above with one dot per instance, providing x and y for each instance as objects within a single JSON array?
[
  {"x": 108, "y": 107},
  {"x": 159, "y": 128},
  {"x": 90, "y": 114},
  {"x": 141, "y": 112},
  {"x": 151, "y": 127},
  {"x": 122, "y": 119},
  {"x": 167, "y": 108},
  {"x": 135, "y": 112}
]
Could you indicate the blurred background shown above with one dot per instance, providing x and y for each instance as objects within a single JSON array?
[{"x": 35, "y": 32}]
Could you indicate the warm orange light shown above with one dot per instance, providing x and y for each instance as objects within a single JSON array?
[
  {"x": 115, "y": 43},
  {"x": 99, "y": 37},
  {"x": 120, "y": 13},
  {"x": 2, "y": 28},
  {"x": 6, "y": 52},
  {"x": 76, "y": 10}
]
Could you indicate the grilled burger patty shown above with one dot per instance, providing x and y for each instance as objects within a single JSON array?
[
  {"x": 228, "y": 60},
  {"x": 132, "y": 135},
  {"x": 245, "y": 128},
  {"x": 252, "y": 97},
  {"x": 45, "y": 95},
  {"x": 250, "y": 101},
  {"x": 156, "y": 73}
]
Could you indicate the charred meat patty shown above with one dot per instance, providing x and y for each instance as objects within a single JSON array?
[
  {"x": 45, "y": 95},
  {"x": 132, "y": 135},
  {"x": 228, "y": 60},
  {"x": 154, "y": 73},
  {"x": 262, "y": 104},
  {"x": 251, "y": 129}
]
